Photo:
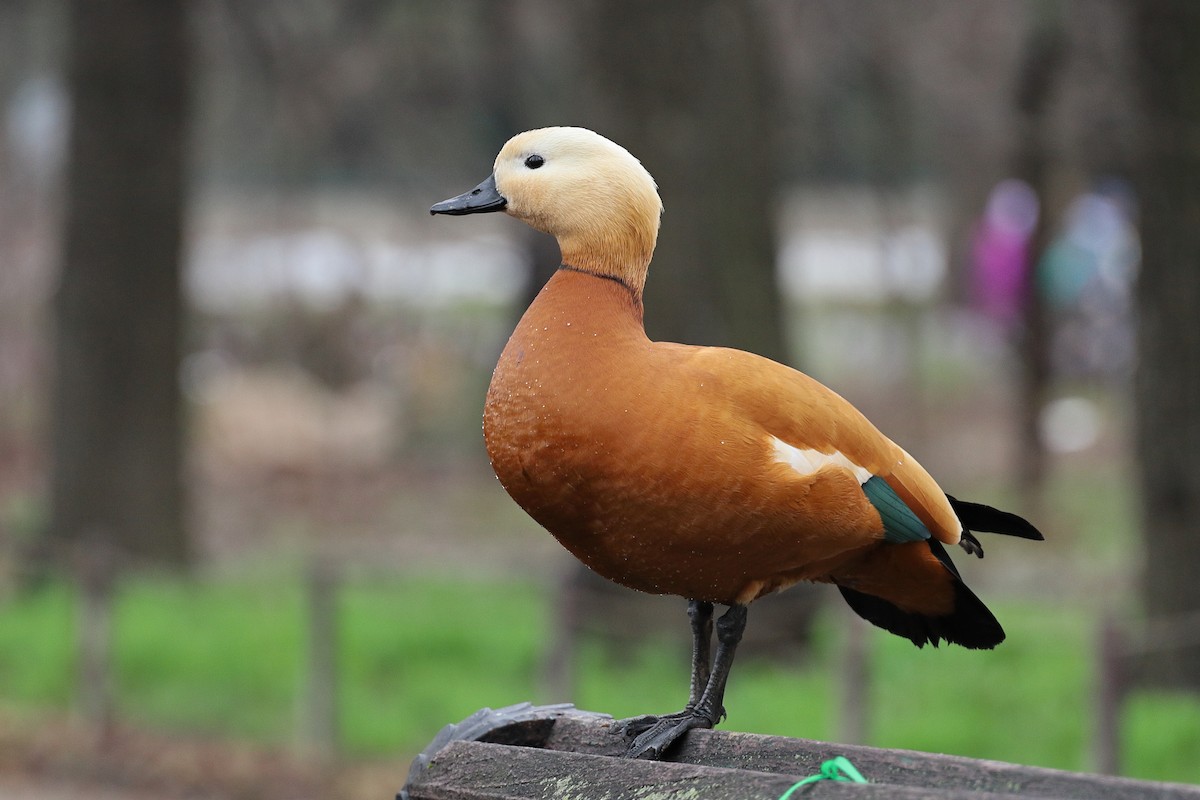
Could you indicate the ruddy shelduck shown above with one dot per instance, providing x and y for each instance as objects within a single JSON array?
[{"x": 703, "y": 472}]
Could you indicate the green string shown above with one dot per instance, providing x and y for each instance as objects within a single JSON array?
[{"x": 835, "y": 769}]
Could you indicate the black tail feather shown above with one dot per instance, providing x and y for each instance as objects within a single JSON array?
[
  {"x": 978, "y": 517},
  {"x": 970, "y": 624}
]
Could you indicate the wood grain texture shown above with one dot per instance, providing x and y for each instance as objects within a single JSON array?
[{"x": 579, "y": 757}]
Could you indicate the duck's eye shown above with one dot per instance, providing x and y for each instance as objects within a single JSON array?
[{"x": 534, "y": 161}]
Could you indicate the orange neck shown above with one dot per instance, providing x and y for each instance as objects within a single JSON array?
[
  {"x": 592, "y": 302},
  {"x": 625, "y": 258}
]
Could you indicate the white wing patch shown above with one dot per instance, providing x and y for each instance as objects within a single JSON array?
[{"x": 806, "y": 462}]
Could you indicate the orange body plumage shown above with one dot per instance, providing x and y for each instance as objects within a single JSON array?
[{"x": 652, "y": 462}]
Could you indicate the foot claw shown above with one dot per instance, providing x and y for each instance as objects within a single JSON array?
[
  {"x": 635, "y": 726},
  {"x": 969, "y": 543},
  {"x": 653, "y": 736}
]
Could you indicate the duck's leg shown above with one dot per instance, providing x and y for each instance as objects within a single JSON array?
[
  {"x": 700, "y": 613},
  {"x": 705, "y": 709}
]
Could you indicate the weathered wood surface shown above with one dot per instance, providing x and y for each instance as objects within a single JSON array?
[
  {"x": 778, "y": 754},
  {"x": 481, "y": 771},
  {"x": 574, "y": 755}
]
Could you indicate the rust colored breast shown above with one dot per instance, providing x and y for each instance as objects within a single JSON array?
[{"x": 638, "y": 458}]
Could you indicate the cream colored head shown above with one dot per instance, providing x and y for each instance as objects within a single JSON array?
[{"x": 586, "y": 191}]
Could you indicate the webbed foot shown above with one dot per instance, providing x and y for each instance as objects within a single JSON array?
[{"x": 652, "y": 736}]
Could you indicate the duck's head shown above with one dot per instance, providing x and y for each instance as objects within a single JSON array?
[{"x": 586, "y": 191}]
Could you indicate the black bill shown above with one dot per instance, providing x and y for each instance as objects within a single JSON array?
[{"x": 480, "y": 200}]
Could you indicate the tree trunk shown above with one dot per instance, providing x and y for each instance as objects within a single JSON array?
[
  {"x": 117, "y": 433},
  {"x": 1041, "y": 68},
  {"x": 1168, "y": 296},
  {"x": 684, "y": 85}
]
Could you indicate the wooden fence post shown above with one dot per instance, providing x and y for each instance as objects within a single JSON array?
[
  {"x": 95, "y": 562},
  {"x": 854, "y": 683},
  {"x": 321, "y": 723},
  {"x": 1110, "y": 691},
  {"x": 560, "y": 661}
]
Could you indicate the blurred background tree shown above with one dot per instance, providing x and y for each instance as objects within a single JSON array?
[
  {"x": 117, "y": 436},
  {"x": 686, "y": 87},
  {"x": 1039, "y": 74},
  {"x": 117, "y": 426},
  {"x": 1168, "y": 385}
]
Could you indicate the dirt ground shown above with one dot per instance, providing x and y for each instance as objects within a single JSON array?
[
  {"x": 23, "y": 787},
  {"x": 57, "y": 759}
]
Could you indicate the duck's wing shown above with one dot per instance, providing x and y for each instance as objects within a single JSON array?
[{"x": 811, "y": 427}]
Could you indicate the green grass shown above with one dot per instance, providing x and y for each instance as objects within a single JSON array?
[
  {"x": 1025, "y": 701},
  {"x": 36, "y": 648},
  {"x": 1162, "y": 737},
  {"x": 219, "y": 657},
  {"x": 225, "y": 656},
  {"x": 419, "y": 654}
]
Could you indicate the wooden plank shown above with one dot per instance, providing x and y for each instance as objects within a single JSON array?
[
  {"x": 776, "y": 754},
  {"x": 524, "y": 752},
  {"x": 482, "y": 771}
]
